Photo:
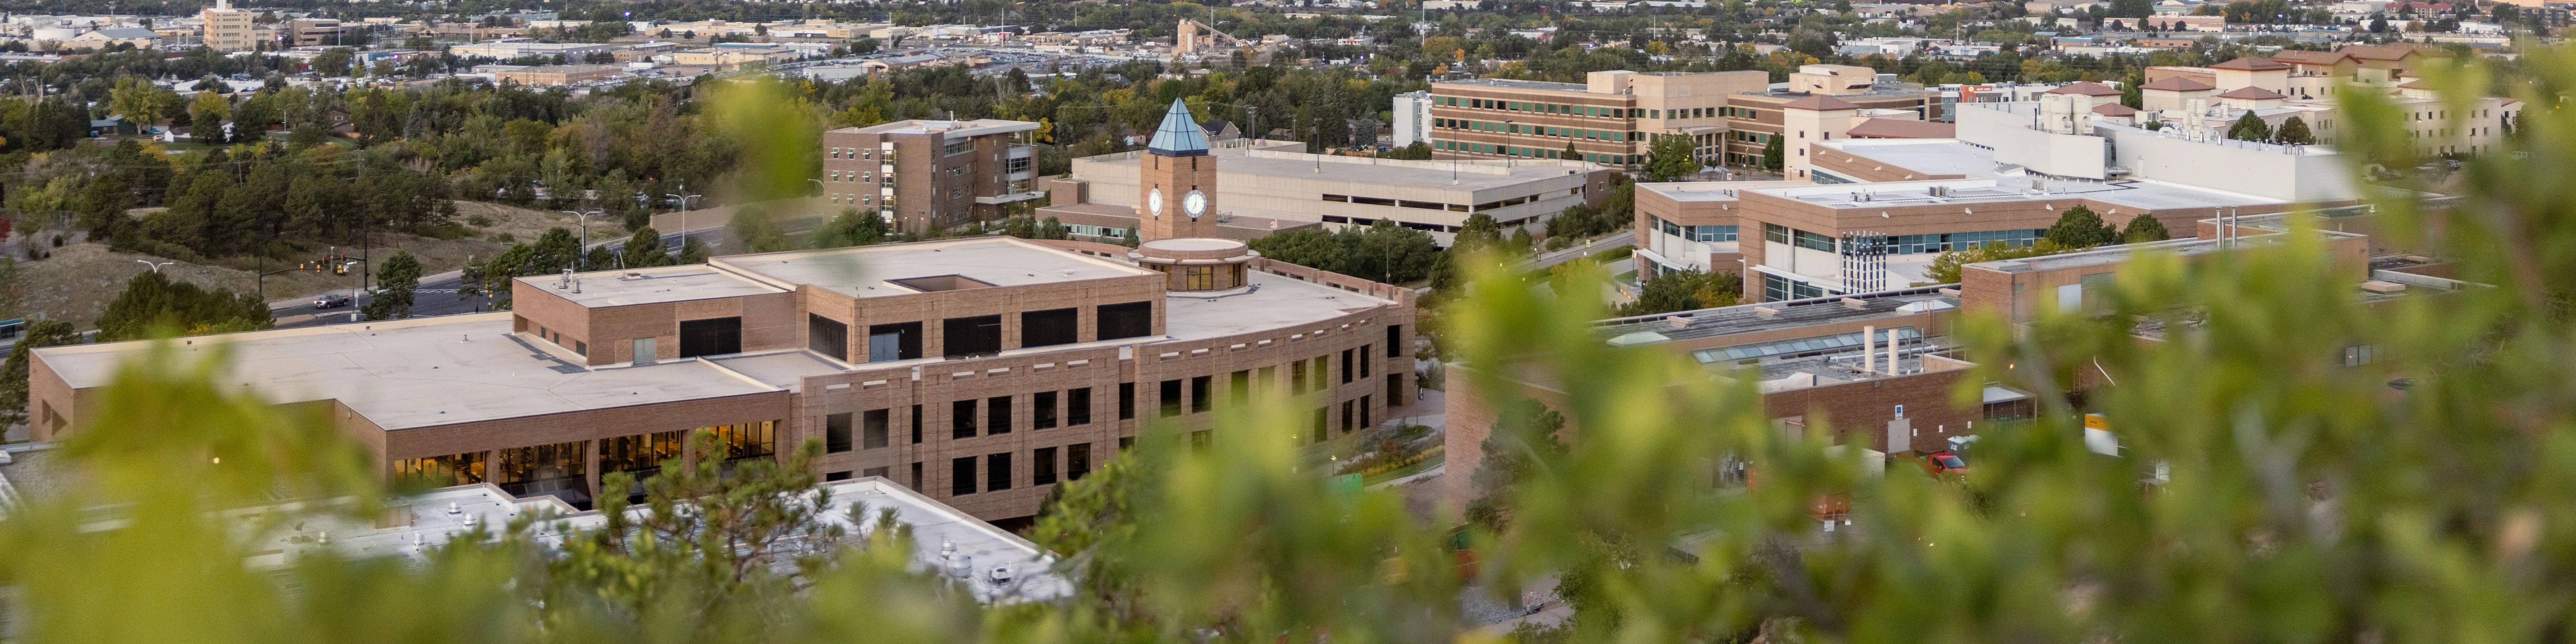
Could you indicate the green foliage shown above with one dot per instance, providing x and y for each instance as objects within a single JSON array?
[
  {"x": 644, "y": 249},
  {"x": 851, "y": 228},
  {"x": 1945, "y": 266},
  {"x": 1671, "y": 157},
  {"x": 2295, "y": 131},
  {"x": 709, "y": 541},
  {"x": 757, "y": 230},
  {"x": 1415, "y": 151},
  {"x": 153, "y": 303},
  {"x": 2079, "y": 227},
  {"x": 1524, "y": 436},
  {"x": 1670, "y": 291},
  {"x": 2265, "y": 490},
  {"x": 399, "y": 277},
  {"x": 2144, "y": 228},
  {"x": 1028, "y": 227},
  {"x": 1480, "y": 232},
  {"x": 1383, "y": 251},
  {"x": 1775, "y": 154},
  {"x": 13, "y": 373},
  {"x": 2249, "y": 128}
]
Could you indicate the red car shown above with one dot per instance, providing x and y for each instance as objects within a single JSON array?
[{"x": 1944, "y": 464}]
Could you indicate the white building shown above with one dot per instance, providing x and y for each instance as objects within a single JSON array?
[{"x": 1412, "y": 118}]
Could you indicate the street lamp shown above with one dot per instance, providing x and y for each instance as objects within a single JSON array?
[
  {"x": 582, "y": 258},
  {"x": 684, "y": 210},
  {"x": 156, "y": 266}
]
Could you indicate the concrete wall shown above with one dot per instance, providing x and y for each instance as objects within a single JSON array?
[
  {"x": 2246, "y": 168},
  {"x": 2009, "y": 133}
]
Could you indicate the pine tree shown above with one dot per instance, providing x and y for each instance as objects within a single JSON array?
[
  {"x": 399, "y": 276},
  {"x": 2249, "y": 128},
  {"x": 2146, "y": 228},
  {"x": 644, "y": 249},
  {"x": 2079, "y": 227},
  {"x": 2295, "y": 132}
]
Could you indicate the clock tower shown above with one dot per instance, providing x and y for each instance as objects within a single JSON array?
[{"x": 1176, "y": 180}]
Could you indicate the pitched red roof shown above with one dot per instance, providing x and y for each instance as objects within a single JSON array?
[
  {"x": 2253, "y": 93},
  {"x": 2177, "y": 84},
  {"x": 1820, "y": 102},
  {"x": 2301, "y": 57},
  {"x": 2086, "y": 89},
  {"x": 2115, "y": 109},
  {"x": 2252, "y": 64},
  {"x": 1902, "y": 129}
]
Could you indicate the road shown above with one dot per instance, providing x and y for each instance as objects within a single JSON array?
[
  {"x": 1552, "y": 258},
  {"x": 436, "y": 294}
]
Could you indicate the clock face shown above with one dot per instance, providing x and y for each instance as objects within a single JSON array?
[
  {"x": 1154, "y": 202},
  {"x": 1194, "y": 203}
]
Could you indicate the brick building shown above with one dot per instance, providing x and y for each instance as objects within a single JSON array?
[
  {"x": 979, "y": 371},
  {"x": 1610, "y": 118},
  {"x": 922, "y": 175}
]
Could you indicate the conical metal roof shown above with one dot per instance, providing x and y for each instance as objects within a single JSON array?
[{"x": 1179, "y": 135}]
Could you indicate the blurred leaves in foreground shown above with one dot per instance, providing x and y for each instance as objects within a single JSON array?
[{"x": 2268, "y": 492}]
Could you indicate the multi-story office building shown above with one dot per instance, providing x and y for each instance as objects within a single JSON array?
[
  {"x": 1270, "y": 186},
  {"x": 1821, "y": 103},
  {"x": 317, "y": 32},
  {"x": 930, "y": 174},
  {"x": 230, "y": 29},
  {"x": 979, "y": 371},
  {"x": 1610, "y": 118}
]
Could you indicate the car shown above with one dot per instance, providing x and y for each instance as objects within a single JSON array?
[
  {"x": 330, "y": 300},
  {"x": 1944, "y": 463}
]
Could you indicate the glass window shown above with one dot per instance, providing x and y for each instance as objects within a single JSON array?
[
  {"x": 441, "y": 471},
  {"x": 872, "y": 428}
]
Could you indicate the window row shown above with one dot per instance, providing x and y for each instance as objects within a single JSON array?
[
  {"x": 1535, "y": 152},
  {"x": 999, "y": 473},
  {"x": 978, "y": 335},
  {"x": 1540, "y": 130},
  {"x": 1535, "y": 107},
  {"x": 856, "y": 153},
  {"x": 1695, "y": 233}
]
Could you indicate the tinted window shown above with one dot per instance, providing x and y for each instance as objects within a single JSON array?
[
  {"x": 976, "y": 336},
  {"x": 827, "y": 337},
  {"x": 836, "y": 432},
  {"x": 961, "y": 476},
  {"x": 1130, "y": 320},
  {"x": 872, "y": 429},
  {"x": 1049, "y": 327},
  {"x": 890, "y": 342},
  {"x": 713, "y": 337},
  {"x": 997, "y": 472}
]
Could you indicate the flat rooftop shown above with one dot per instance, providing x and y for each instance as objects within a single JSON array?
[
  {"x": 1709, "y": 191},
  {"x": 923, "y": 267},
  {"x": 1791, "y": 314},
  {"x": 420, "y": 372},
  {"x": 2108, "y": 255},
  {"x": 977, "y": 127},
  {"x": 1469, "y": 176},
  {"x": 2151, "y": 195},
  {"x": 654, "y": 286},
  {"x": 1506, "y": 83},
  {"x": 1270, "y": 302},
  {"x": 1925, "y": 156}
]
